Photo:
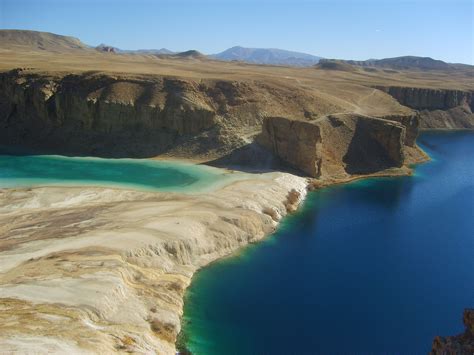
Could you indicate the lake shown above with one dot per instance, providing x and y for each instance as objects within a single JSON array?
[
  {"x": 376, "y": 266},
  {"x": 23, "y": 170}
]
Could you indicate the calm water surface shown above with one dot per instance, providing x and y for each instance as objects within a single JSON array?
[
  {"x": 144, "y": 174},
  {"x": 376, "y": 266}
]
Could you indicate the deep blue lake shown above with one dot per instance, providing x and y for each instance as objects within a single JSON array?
[{"x": 376, "y": 266}]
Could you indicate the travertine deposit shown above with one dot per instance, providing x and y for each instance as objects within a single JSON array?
[{"x": 101, "y": 270}]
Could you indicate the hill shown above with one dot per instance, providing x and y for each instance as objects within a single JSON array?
[
  {"x": 405, "y": 62},
  {"x": 44, "y": 41},
  {"x": 270, "y": 56},
  {"x": 189, "y": 54}
]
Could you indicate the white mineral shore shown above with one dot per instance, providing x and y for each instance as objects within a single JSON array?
[{"x": 101, "y": 270}]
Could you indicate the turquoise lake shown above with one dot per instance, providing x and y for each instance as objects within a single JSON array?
[
  {"x": 376, "y": 266},
  {"x": 142, "y": 174}
]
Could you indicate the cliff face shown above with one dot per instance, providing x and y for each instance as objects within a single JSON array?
[
  {"x": 94, "y": 114},
  {"x": 298, "y": 143},
  {"x": 125, "y": 116},
  {"x": 458, "y": 344},
  {"x": 429, "y": 99},
  {"x": 337, "y": 146},
  {"x": 141, "y": 116},
  {"x": 438, "y": 108}
]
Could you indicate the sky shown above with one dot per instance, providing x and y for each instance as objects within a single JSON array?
[{"x": 343, "y": 29}]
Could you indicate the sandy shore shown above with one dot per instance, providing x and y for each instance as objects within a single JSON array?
[{"x": 85, "y": 269}]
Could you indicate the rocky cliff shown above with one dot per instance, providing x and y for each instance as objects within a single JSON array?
[
  {"x": 140, "y": 116},
  {"x": 458, "y": 344},
  {"x": 100, "y": 115},
  {"x": 438, "y": 108},
  {"x": 124, "y": 116},
  {"x": 338, "y": 146}
]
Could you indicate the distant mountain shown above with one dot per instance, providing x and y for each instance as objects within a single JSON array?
[
  {"x": 43, "y": 41},
  {"x": 267, "y": 56},
  {"x": 154, "y": 51},
  {"x": 147, "y": 51}
]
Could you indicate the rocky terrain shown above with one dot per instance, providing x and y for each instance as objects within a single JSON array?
[
  {"x": 105, "y": 270},
  {"x": 458, "y": 344}
]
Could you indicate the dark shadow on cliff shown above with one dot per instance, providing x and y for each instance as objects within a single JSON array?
[
  {"x": 252, "y": 158},
  {"x": 365, "y": 155},
  {"x": 72, "y": 142}
]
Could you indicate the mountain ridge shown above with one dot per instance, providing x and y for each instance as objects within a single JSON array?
[
  {"x": 272, "y": 56},
  {"x": 14, "y": 39}
]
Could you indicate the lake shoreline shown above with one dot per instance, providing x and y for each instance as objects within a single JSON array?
[
  {"x": 200, "y": 316},
  {"x": 314, "y": 185},
  {"x": 240, "y": 212}
]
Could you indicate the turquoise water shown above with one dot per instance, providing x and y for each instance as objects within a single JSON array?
[
  {"x": 142, "y": 174},
  {"x": 376, "y": 266}
]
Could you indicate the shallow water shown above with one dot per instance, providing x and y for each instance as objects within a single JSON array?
[
  {"x": 375, "y": 266},
  {"x": 143, "y": 174}
]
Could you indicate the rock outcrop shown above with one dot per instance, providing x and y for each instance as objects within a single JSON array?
[
  {"x": 458, "y": 344},
  {"x": 106, "y": 48},
  {"x": 298, "y": 143},
  {"x": 438, "y": 108},
  {"x": 340, "y": 145}
]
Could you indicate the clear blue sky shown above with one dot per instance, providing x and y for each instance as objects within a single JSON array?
[{"x": 441, "y": 29}]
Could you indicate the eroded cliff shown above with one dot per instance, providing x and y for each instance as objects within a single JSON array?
[
  {"x": 141, "y": 116},
  {"x": 339, "y": 146},
  {"x": 438, "y": 108},
  {"x": 145, "y": 116}
]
